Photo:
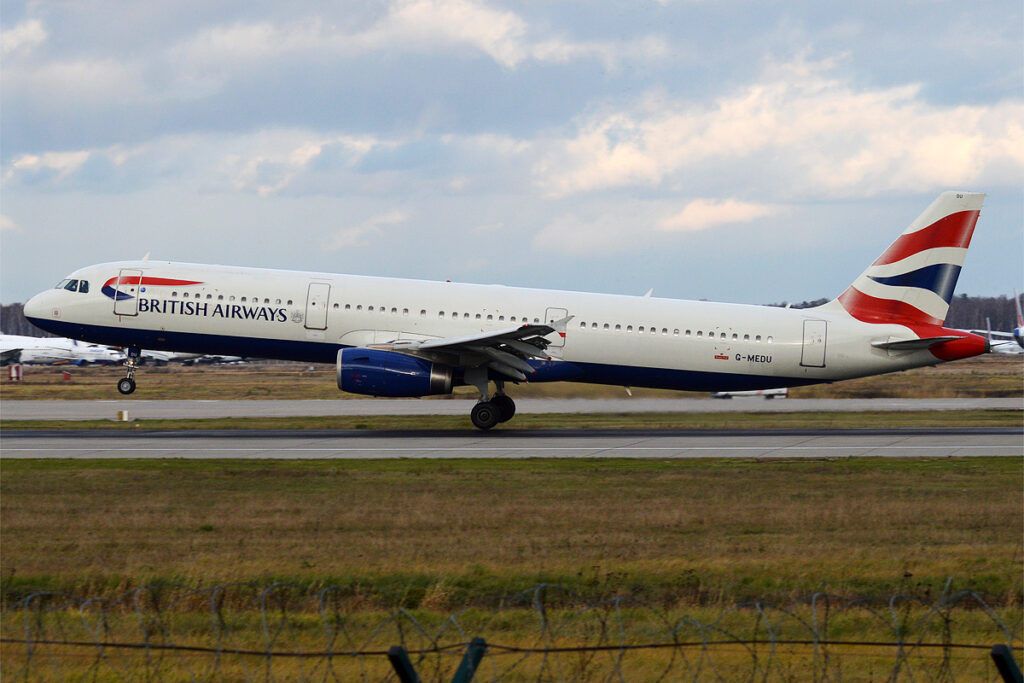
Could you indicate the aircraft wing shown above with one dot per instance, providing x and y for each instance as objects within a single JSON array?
[{"x": 504, "y": 351}]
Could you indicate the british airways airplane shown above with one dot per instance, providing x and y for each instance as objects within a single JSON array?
[{"x": 405, "y": 338}]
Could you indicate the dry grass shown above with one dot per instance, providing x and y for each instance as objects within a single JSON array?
[
  {"x": 692, "y": 532},
  {"x": 986, "y": 376}
]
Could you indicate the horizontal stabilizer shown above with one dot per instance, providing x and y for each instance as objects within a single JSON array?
[{"x": 913, "y": 344}]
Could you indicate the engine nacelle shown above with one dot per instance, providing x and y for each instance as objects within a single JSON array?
[{"x": 385, "y": 373}]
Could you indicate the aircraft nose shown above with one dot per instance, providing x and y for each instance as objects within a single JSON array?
[{"x": 35, "y": 306}]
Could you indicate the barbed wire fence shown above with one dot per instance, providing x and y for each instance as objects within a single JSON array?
[{"x": 286, "y": 632}]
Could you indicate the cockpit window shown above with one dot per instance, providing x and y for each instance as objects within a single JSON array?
[
  {"x": 62, "y": 284},
  {"x": 83, "y": 286},
  {"x": 71, "y": 286}
]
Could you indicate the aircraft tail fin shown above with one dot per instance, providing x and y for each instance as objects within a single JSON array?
[{"x": 913, "y": 280}]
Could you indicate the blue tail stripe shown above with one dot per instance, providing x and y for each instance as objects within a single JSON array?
[{"x": 939, "y": 278}]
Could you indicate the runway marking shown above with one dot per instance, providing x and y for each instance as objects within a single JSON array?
[{"x": 515, "y": 448}]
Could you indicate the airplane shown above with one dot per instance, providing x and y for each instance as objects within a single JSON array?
[
  {"x": 47, "y": 350},
  {"x": 412, "y": 338}
]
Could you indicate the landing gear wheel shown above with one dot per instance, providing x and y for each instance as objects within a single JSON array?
[
  {"x": 485, "y": 415},
  {"x": 506, "y": 407},
  {"x": 126, "y": 385}
]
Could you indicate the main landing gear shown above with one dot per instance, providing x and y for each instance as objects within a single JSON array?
[
  {"x": 490, "y": 411},
  {"x": 126, "y": 385}
]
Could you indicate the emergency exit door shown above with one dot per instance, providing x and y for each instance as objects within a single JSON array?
[
  {"x": 316, "y": 305},
  {"x": 126, "y": 292},
  {"x": 813, "y": 353}
]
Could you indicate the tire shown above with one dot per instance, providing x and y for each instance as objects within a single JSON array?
[
  {"x": 506, "y": 407},
  {"x": 485, "y": 415},
  {"x": 126, "y": 385}
]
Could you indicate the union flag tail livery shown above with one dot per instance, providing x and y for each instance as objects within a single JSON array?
[
  {"x": 913, "y": 280},
  {"x": 393, "y": 337}
]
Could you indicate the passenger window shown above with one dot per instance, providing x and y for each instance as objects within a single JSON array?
[
  {"x": 220, "y": 297},
  {"x": 664, "y": 330},
  {"x": 746, "y": 337},
  {"x": 700, "y": 333},
  {"x": 465, "y": 316},
  {"x": 618, "y": 327},
  {"x": 369, "y": 308},
  {"x": 276, "y": 301},
  {"x": 477, "y": 316},
  {"x": 83, "y": 286},
  {"x": 440, "y": 314},
  {"x": 231, "y": 298},
  {"x": 348, "y": 307},
  {"x": 735, "y": 336},
  {"x": 405, "y": 311},
  {"x": 289, "y": 302},
  {"x": 583, "y": 325},
  {"x": 490, "y": 317},
  {"x": 454, "y": 315},
  {"x": 501, "y": 317},
  {"x": 335, "y": 305},
  {"x": 359, "y": 307},
  {"x": 757, "y": 338},
  {"x": 629, "y": 328},
  {"x": 423, "y": 312},
  {"x": 243, "y": 299},
  {"x": 769, "y": 340},
  {"x": 593, "y": 326},
  {"x": 641, "y": 329}
]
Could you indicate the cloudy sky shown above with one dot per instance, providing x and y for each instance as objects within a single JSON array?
[{"x": 738, "y": 151}]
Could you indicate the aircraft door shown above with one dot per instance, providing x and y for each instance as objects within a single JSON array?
[
  {"x": 316, "y": 305},
  {"x": 126, "y": 292},
  {"x": 554, "y": 315},
  {"x": 813, "y": 353}
]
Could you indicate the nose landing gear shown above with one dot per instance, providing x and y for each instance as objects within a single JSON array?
[{"x": 126, "y": 385}]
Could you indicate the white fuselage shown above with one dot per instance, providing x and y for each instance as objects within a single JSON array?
[{"x": 610, "y": 339}]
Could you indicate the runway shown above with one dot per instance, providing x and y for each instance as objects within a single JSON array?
[
  {"x": 663, "y": 444},
  {"x": 152, "y": 410}
]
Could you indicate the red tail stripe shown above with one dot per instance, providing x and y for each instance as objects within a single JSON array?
[
  {"x": 954, "y": 230},
  {"x": 869, "y": 309}
]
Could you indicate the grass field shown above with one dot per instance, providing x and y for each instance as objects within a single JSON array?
[
  {"x": 451, "y": 532},
  {"x": 683, "y": 537},
  {"x": 985, "y": 376}
]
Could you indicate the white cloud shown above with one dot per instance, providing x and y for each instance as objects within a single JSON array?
[
  {"x": 820, "y": 134},
  {"x": 373, "y": 227},
  {"x": 704, "y": 213},
  {"x": 23, "y": 37}
]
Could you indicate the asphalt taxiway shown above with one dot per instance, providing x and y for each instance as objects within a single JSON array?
[
  {"x": 183, "y": 409},
  {"x": 823, "y": 444}
]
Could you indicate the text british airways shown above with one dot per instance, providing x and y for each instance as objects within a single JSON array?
[{"x": 230, "y": 311}]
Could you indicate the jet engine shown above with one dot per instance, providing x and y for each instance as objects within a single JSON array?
[{"x": 386, "y": 373}]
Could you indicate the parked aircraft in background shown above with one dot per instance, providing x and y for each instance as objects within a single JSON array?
[
  {"x": 765, "y": 393},
  {"x": 393, "y": 337},
  {"x": 165, "y": 357},
  {"x": 48, "y": 350}
]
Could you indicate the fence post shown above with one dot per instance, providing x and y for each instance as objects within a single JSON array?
[
  {"x": 1006, "y": 665},
  {"x": 471, "y": 660},
  {"x": 400, "y": 662}
]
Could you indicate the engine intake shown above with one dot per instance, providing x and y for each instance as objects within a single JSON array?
[{"x": 385, "y": 373}]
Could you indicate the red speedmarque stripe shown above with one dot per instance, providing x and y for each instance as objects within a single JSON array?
[{"x": 955, "y": 230}]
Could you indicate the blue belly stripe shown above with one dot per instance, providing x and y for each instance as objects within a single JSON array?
[{"x": 327, "y": 352}]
